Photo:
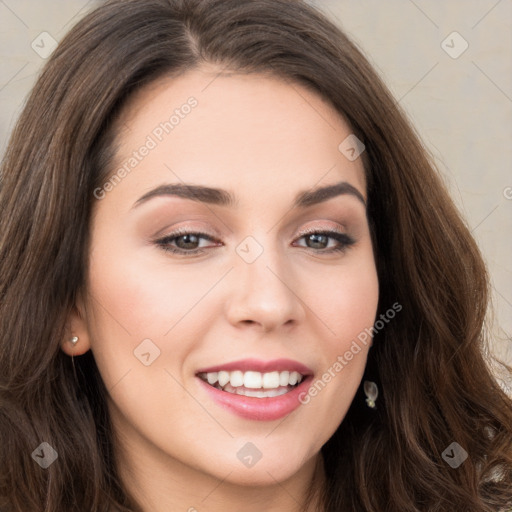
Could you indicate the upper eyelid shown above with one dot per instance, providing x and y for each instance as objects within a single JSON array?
[
  {"x": 199, "y": 231},
  {"x": 321, "y": 230},
  {"x": 214, "y": 238}
]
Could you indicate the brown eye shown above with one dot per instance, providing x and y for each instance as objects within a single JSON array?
[
  {"x": 185, "y": 243},
  {"x": 189, "y": 241}
]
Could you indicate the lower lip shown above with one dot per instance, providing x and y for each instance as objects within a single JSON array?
[{"x": 260, "y": 409}]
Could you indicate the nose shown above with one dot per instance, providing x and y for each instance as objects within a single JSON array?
[{"x": 264, "y": 295}]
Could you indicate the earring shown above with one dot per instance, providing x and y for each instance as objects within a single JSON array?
[
  {"x": 372, "y": 392},
  {"x": 73, "y": 340}
]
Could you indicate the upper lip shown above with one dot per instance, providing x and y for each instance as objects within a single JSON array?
[{"x": 257, "y": 365}]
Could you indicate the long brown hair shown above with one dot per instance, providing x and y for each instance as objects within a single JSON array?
[{"x": 435, "y": 384}]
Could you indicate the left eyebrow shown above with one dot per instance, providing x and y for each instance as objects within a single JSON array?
[
  {"x": 319, "y": 195},
  {"x": 221, "y": 197}
]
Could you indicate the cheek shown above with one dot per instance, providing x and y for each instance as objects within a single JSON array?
[
  {"x": 142, "y": 297},
  {"x": 130, "y": 302},
  {"x": 347, "y": 305},
  {"x": 136, "y": 295},
  {"x": 138, "y": 308},
  {"x": 347, "y": 300}
]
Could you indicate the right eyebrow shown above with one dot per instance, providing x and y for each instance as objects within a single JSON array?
[{"x": 198, "y": 193}]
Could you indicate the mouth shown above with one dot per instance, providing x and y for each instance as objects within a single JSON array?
[
  {"x": 252, "y": 383},
  {"x": 257, "y": 390}
]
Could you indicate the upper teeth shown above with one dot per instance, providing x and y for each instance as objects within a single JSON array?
[{"x": 253, "y": 380}]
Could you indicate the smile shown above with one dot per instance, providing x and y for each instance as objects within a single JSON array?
[
  {"x": 257, "y": 390},
  {"x": 252, "y": 383}
]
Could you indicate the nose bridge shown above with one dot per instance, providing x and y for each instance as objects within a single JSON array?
[{"x": 263, "y": 293}]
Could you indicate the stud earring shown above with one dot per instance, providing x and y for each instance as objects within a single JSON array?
[
  {"x": 372, "y": 392},
  {"x": 73, "y": 340}
]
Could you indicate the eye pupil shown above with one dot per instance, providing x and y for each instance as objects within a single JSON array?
[
  {"x": 190, "y": 241},
  {"x": 317, "y": 238}
]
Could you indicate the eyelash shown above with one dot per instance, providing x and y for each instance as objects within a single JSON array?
[{"x": 345, "y": 241}]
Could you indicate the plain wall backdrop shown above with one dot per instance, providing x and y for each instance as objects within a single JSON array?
[{"x": 448, "y": 63}]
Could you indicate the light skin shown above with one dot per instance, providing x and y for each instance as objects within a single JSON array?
[{"x": 265, "y": 141}]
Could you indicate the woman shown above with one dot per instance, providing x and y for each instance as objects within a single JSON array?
[{"x": 231, "y": 278}]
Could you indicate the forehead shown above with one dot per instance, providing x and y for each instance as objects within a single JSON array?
[{"x": 244, "y": 130}]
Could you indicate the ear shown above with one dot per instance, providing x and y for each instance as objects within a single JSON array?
[{"x": 76, "y": 337}]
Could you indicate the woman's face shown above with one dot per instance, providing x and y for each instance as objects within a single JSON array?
[{"x": 254, "y": 296}]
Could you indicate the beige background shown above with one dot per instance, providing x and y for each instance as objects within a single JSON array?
[{"x": 462, "y": 107}]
